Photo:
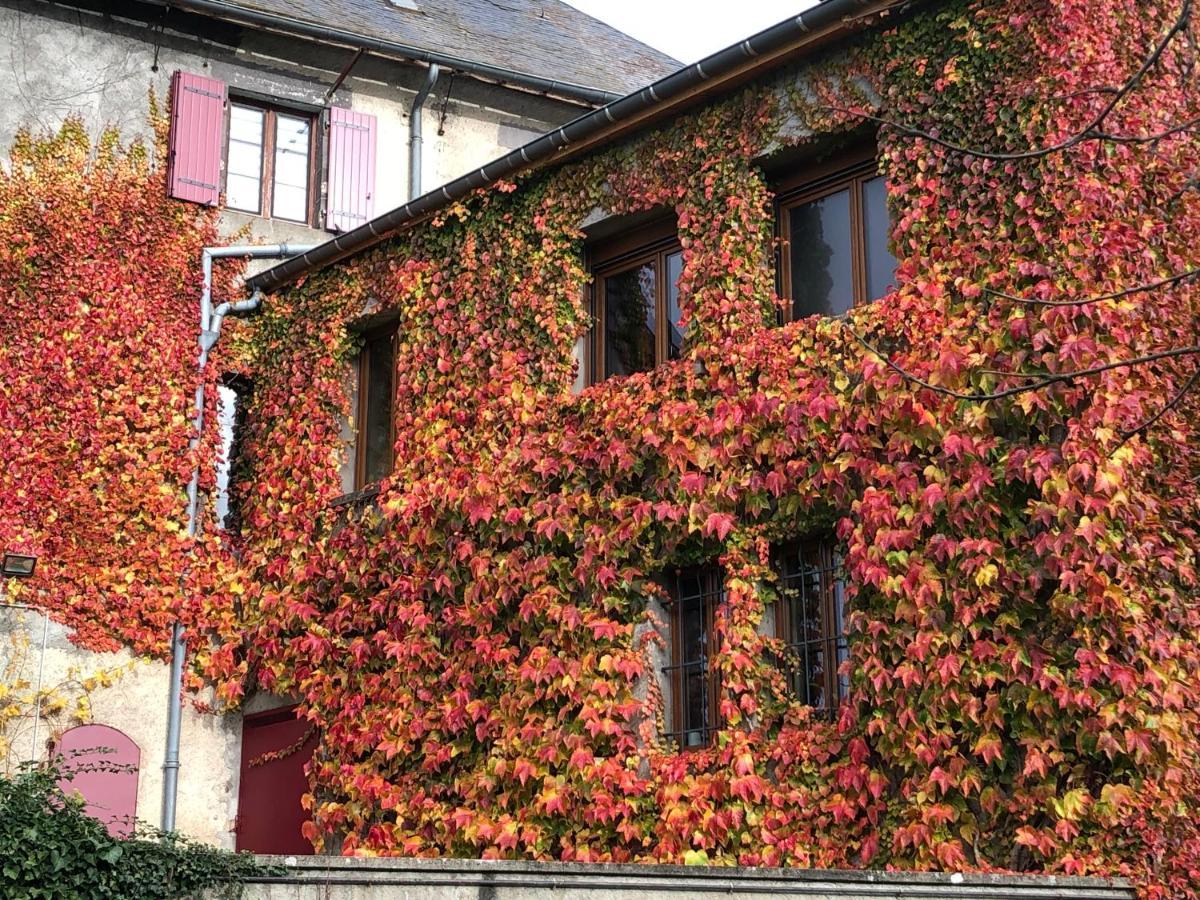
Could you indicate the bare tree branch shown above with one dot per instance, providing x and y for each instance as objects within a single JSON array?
[
  {"x": 1170, "y": 405},
  {"x": 1041, "y": 382},
  {"x": 1116, "y": 295},
  {"x": 1093, "y": 131}
]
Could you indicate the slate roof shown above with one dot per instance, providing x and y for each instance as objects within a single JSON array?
[{"x": 546, "y": 38}]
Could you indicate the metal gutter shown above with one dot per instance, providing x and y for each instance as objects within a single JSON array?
[
  {"x": 234, "y": 12},
  {"x": 416, "y": 119},
  {"x": 829, "y": 19}
]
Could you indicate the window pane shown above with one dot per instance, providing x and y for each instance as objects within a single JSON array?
[
  {"x": 243, "y": 193},
  {"x": 881, "y": 265},
  {"x": 377, "y": 427},
  {"x": 629, "y": 321},
  {"x": 811, "y": 587},
  {"x": 290, "y": 203},
  {"x": 243, "y": 182},
  {"x": 822, "y": 266},
  {"x": 246, "y": 124},
  {"x": 697, "y": 593},
  {"x": 245, "y": 159},
  {"x": 290, "y": 190},
  {"x": 675, "y": 330}
]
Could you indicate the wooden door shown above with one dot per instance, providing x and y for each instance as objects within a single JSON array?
[{"x": 275, "y": 748}]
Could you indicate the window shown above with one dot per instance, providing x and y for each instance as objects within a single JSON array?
[
  {"x": 810, "y": 620},
  {"x": 635, "y": 301},
  {"x": 268, "y": 164},
  {"x": 233, "y": 398},
  {"x": 695, "y": 593},
  {"x": 375, "y": 437},
  {"x": 834, "y": 233}
]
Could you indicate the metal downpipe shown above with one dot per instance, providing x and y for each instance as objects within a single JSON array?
[
  {"x": 416, "y": 119},
  {"x": 210, "y": 330}
]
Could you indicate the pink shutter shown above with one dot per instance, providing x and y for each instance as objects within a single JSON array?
[
  {"x": 197, "y": 138},
  {"x": 350, "y": 200}
]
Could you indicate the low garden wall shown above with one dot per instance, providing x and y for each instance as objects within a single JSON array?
[{"x": 340, "y": 878}]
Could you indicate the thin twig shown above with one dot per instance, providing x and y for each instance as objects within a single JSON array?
[
  {"x": 1091, "y": 132},
  {"x": 1116, "y": 295},
  {"x": 1025, "y": 388},
  {"x": 1174, "y": 402}
]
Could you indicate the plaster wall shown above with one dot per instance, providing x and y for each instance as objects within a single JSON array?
[
  {"x": 101, "y": 66},
  {"x": 135, "y": 704}
]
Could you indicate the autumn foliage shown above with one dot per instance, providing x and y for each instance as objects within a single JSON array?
[
  {"x": 1019, "y": 541},
  {"x": 99, "y": 303}
]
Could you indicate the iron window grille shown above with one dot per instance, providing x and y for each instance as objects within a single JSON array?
[
  {"x": 810, "y": 620},
  {"x": 694, "y": 687}
]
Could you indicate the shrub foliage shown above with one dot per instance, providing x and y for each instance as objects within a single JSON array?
[{"x": 53, "y": 849}]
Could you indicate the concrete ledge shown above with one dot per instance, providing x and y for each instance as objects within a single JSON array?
[{"x": 349, "y": 878}]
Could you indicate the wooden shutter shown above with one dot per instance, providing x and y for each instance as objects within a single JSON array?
[
  {"x": 197, "y": 138},
  {"x": 350, "y": 200}
]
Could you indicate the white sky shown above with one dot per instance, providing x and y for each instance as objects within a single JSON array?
[{"x": 691, "y": 29}]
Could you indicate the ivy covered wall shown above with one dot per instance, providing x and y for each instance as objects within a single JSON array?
[{"x": 1019, "y": 540}]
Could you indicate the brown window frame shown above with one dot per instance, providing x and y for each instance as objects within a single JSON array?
[
  {"x": 267, "y": 161},
  {"x": 832, "y": 642},
  {"x": 711, "y": 596},
  {"x": 653, "y": 242},
  {"x": 849, "y": 171},
  {"x": 390, "y": 330}
]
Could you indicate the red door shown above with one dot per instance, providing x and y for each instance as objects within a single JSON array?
[{"x": 275, "y": 748}]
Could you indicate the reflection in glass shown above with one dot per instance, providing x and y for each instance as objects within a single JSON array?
[
  {"x": 697, "y": 592},
  {"x": 290, "y": 193},
  {"x": 243, "y": 181},
  {"x": 881, "y": 265},
  {"x": 675, "y": 331},
  {"x": 377, "y": 424},
  {"x": 822, "y": 263},
  {"x": 629, "y": 321},
  {"x": 813, "y": 613}
]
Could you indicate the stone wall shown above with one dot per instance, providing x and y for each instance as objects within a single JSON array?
[{"x": 429, "y": 879}]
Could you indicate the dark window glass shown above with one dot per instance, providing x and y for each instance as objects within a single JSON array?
[
  {"x": 822, "y": 262},
  {"x": 629, "y": 320},
  {"x": 881, "y": 265},
  {"x": 376, "y": 433},
  {"x": 811, "y": 622},
  {"x": 675, "y": 330},
  {"x": 696, "y": 593}
]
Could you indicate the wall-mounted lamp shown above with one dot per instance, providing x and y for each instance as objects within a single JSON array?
[{"x": 17, "y": 565}]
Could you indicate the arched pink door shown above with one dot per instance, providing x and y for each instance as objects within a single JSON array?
[{"x": 101, "y": 764}]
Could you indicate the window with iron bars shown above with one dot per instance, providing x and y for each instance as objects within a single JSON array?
[
  {"x": 695, "y": 594},
  {"x": 810, "y": 620}
]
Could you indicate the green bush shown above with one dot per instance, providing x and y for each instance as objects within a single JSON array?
[{"x": 49, "y": 848}]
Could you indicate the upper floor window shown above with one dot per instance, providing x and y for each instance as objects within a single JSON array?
[
  {"x": 371, "y": 440},
  {"x": 269, "y": 156},
  {"x": 834, "y": 232},
  {"x": 693, "y": 688},
  {"x": 810, "y": 620},
  {"x": 262, "y": 159},
  {"x": 635, "y": 301}
]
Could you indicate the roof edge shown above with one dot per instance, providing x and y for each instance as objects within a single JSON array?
[
  {"x": 234, "y": 12},
  {"x": 829, "y": 19}
]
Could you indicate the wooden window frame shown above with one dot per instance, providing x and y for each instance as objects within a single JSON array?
[
  {"x": 266, "y": 186},
  {"x": 831, "y": 641},
  {"x": 391, "y": 331},
  {"x": 653, "y": 242},
  {"x": 713, "y": 591},
  {"x": 849, "y": 171}
]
